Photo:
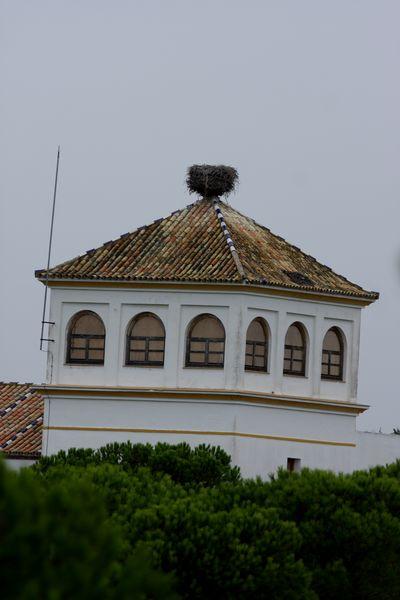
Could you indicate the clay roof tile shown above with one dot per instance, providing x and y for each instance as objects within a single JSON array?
[
  {"x": 202, "y": 244},
  {"x": 21, "y": 419}
]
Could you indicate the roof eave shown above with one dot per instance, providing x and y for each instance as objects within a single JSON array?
[
  {"x": 365, "y": 298},
  {"x": 20, "y": 455}
]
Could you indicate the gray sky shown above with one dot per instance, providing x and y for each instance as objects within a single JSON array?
[{"x": 301, "y": 97}]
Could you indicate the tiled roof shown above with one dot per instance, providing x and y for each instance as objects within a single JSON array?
[
  {"x": 206, "y": 242},
  {"x": 21, "y": 420}
]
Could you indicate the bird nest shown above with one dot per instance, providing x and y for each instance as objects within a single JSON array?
[{"x": 211, "y": 181}]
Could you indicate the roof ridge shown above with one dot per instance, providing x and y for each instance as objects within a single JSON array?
[{"x": 229, "y": 241}]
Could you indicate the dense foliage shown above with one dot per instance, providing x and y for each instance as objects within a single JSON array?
[
  {"x": 132, "y": 521},
  {"x": 57, "y": 542},
  {"x": 203, "y": 465}
]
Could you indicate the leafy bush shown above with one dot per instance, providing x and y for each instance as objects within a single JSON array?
[
  {"x": 215, "y": 546},
  {"x": 203, "y": 465},
  {"x": 56, "y": 542},
  {"x": 189, "y": 514},
  {"x": 350, "y": 526}
]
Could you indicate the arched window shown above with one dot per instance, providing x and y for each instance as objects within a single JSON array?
[
  {"x": 205, "y": 345},
  {"x": 257, "y": 346},
  {"x": 86, "y": 339},
  {"x": 145, "y": 341},
  {"x": 295, "y": 351},
  {"x": 332, "y": 355}
]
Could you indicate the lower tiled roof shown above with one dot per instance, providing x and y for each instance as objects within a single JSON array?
[
  {"x": 21, "y": 420},
  {"x": 207, "y": 241}
]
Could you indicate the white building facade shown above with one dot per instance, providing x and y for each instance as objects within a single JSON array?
[{"x": 220, "y": 363}]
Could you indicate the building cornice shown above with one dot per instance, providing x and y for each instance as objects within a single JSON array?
[
  {"x": 215, "y": 395},
  {"x": 316, "y": 296}
]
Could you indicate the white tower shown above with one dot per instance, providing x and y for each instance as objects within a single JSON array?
[{"x": 207, "y": 328}]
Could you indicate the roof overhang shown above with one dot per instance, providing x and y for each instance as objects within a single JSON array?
[
  {"x": 17, "y": 455},
  {"x": 317, "y": 295}
]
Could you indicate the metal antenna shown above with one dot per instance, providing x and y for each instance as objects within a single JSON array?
[{"x": 44, "y": 322}]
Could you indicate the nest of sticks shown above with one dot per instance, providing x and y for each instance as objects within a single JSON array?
[{"x": 211, "y": 181}]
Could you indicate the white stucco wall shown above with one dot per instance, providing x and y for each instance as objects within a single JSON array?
[
  {"x": 376, "y": 449},
  {"x": 256, "y": 457},
  {"x": 176, "y": 309},
  {"x": 15, "y": 464},
  {"x": 260, "y": 436}
]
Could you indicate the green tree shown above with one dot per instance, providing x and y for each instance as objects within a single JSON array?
[
  {"x": 187, "y": 511},
  {"x": 204, "y": 465},
  {"x": 214, "y": 545},
  {"x": 56, "y": 542},
  {"x": 350, "y": 526}
]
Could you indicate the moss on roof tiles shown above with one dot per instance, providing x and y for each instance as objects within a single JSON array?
[{"x": 190, "y": 246}]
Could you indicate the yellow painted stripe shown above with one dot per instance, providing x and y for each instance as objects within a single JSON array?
[{"x": 261, "y": 436}]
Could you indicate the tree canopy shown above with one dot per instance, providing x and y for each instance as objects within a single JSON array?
[{"x": 136, "y": 521}]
